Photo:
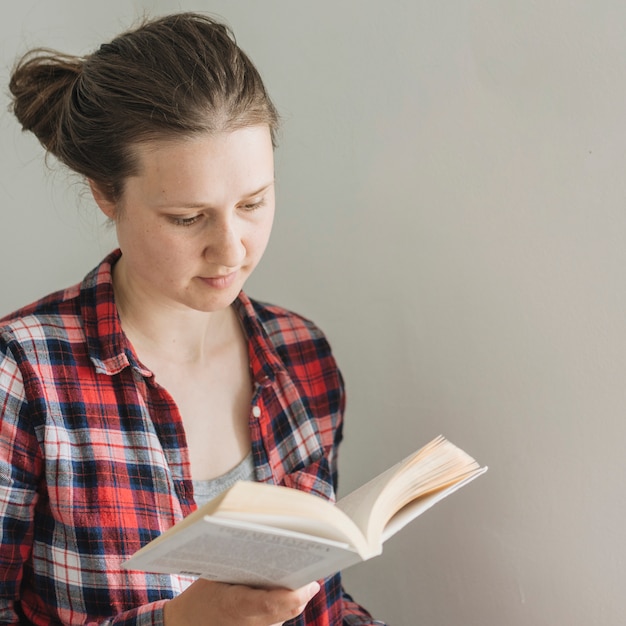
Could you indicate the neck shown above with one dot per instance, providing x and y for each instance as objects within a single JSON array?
[{"x": 175, "y": 332}]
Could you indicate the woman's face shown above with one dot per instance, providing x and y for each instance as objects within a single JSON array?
[{"x": 195, "y": 221}]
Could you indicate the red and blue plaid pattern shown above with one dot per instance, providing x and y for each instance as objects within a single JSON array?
[{"x": 94, "y": 462}]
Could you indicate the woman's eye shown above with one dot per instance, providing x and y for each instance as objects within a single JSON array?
[
  {"x": 253, "y": 206},
  {"x": 185, "y": 221}
]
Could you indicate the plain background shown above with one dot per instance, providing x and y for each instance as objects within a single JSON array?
[{"x": 451, "y": 195}]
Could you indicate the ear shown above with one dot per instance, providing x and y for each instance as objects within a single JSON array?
[{"x": 107, "y": 206}]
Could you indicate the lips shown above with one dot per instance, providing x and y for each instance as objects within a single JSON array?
[{"x": 220, "y": 282}]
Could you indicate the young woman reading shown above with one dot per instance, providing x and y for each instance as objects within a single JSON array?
[{"x": 129, "y": 399}]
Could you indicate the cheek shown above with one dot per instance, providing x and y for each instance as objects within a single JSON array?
[
  {"x": 265, "y": 230},
  {"x": 261, "y": 238},
  {"x": 149, "y": 247}
]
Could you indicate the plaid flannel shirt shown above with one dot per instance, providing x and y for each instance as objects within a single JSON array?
[{"x": 94, "y": 463}]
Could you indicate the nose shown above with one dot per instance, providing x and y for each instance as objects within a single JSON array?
[{"x": 225, "y": 243}]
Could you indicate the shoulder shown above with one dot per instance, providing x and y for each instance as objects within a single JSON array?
[
  {"x": 294, "y": 338},
  {"x": 55, "y": 314},
  {"x": 61, "y": 314},
  {"x": 283, "y": 326},
  {"x": 282, "y": 339}
]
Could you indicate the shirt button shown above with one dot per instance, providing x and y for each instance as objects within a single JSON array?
[{"x": 256, "y": 411}]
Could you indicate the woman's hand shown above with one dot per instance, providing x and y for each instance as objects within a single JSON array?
[{"x": 206, "y": 603}]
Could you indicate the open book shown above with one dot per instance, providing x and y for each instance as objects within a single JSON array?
[{"x": 265, "y": 535}]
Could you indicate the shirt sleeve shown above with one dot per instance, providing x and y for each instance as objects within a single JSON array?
[
  {"x": 353, "y": 613},
  {"x": 19, "y": 454},
  {"x": 356, "y": 615}
]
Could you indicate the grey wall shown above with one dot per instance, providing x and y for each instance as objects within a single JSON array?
[{"x": 451, "y": 212}]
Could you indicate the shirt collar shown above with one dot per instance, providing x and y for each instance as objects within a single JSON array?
[
  {"x": 265, "y": 361},
  {"x": 109, "y": 349}
]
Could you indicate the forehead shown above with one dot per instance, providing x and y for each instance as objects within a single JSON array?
[
  {"x": 252, "y": 140},
  {"x": 209, "y": 163}
]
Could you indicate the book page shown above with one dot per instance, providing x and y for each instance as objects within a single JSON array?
[
  {"x": 242, "y": 553},
  {"x": 433, "y": 468},
  {"x": 412, "y": 510},
  {"x": 359, "y": 504}
]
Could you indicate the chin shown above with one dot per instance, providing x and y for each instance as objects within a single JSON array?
[{"x": 213, "y": 305}]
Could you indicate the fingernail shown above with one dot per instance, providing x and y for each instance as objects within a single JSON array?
[{"x": 314, "y": 588}]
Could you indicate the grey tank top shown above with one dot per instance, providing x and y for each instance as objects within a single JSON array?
[{"x": 205, "y": 490}]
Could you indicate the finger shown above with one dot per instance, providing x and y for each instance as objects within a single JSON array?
[
  {"x": 308, "y": 592},
  {"x": 303, "y": 597}
]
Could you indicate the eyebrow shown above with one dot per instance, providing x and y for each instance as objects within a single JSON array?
[{"x": 203, "y": 205}]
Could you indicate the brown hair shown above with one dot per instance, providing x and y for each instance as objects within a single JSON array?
[{"x": 171, "y": 77}]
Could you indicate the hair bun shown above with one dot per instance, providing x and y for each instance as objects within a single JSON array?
[{"x": 41, "y": 84}]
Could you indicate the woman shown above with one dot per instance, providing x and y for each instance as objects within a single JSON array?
[{"x": 136, "y": 395}]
